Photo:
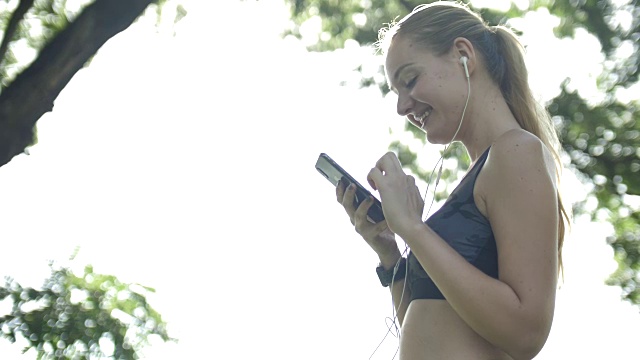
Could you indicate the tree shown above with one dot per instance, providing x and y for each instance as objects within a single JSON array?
[
  {"x": 71, "y": 316},
  {"x": 81, "y": 317},
  {"x": 64, "y": 40},
  {"x": 602, "y": 139}
]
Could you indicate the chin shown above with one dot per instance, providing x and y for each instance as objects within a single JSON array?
[{"x": 435, "y": 139}]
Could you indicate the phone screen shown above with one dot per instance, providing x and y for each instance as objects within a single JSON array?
[{"x": 333, "y": 172}]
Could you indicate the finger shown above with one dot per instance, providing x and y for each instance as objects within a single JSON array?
[
  {"x": 340, "y": 188},
  {"x": 347, "y": 200},
  {"x": 361, "y": 211},
  {"x": 360, "y": 216},
  {"x": 411, "y": 180},
  {"x": 375, "y": 177},
  {"x": 389, "y": 163}
]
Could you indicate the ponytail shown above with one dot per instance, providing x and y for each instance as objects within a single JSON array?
[{"x": 531, "y": 116}]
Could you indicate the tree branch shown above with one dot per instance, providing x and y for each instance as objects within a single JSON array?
[
  {"x": 33, "y": 92},
  {"x": 16, "y": 17}
]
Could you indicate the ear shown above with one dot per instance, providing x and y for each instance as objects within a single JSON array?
[{"x": 464, "y": 47}]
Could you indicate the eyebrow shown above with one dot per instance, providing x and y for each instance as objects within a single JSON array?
[{"x": 399, "y": 70}]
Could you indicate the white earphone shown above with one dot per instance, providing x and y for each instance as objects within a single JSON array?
[{"x": 463, "y": 61}]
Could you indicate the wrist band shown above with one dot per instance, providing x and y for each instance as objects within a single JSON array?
[{"x": 387, "y": 276}]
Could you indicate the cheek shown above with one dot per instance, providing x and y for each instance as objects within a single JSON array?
[
  {"x": 451, "y": 96},
  {"x": 425, "y": 91},
  {"x": 433, "y": 88}
]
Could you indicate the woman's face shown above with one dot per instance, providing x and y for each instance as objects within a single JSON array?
[{"x": 432, "y": 90}]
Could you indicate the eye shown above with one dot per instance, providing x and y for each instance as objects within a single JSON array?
[{"x": 411, "y": 83}]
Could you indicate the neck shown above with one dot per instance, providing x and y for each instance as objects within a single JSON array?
[{"x": 489, "y": 117}]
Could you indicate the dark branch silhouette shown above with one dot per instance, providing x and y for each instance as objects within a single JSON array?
[{"x": 33, "y": 91}]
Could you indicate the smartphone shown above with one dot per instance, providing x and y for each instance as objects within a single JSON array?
[{"x": 333, "y": 172}]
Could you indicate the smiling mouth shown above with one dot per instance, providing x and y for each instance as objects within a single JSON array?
[{"x": 423, "y": 117}]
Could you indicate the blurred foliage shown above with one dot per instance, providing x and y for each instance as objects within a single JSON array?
[
  {"x": 602, "y": 140},
  {"x": 74, "y": 317},
  {"x": 84, "y": 317}
]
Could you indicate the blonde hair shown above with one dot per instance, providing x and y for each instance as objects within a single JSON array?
[{"x": 435, "y": 26}]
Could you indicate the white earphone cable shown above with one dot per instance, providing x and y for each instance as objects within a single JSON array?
[
  {"x": 446, "y": 148},
  {"x": 394, "y": 325}
]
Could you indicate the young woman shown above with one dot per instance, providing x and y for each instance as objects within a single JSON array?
[{"x": 480, "y": 279}]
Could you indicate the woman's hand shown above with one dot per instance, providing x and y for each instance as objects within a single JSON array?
[
  {"x": 402, "y": 203},
  {"x": 378, "y": 236}
]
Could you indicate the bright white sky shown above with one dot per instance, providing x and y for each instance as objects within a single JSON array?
[{"x": 186, "y": 164}]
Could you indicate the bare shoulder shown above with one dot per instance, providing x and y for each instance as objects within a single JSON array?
[
  {"x": 520, "y": 144},
  {"x": 516, "y": 159},
  {"x": 520, "y": 154}
]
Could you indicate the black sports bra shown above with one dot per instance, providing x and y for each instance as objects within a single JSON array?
[{"x": 465, "y": 229}]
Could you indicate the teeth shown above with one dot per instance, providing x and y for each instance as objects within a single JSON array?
[{"x": 421, "y": 118}]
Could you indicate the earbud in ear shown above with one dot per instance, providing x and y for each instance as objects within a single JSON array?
[{"x": 463, "y": 61}]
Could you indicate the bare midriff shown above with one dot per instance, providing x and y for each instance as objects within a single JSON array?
[{"x": 432, "y": 330}]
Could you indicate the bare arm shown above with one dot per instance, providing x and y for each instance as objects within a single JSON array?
[
  {"x": 381, "y": 240},
  {"x": 513, "y": 312}
]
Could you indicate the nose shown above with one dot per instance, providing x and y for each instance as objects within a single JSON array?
[{"x": 405, "y": 105}]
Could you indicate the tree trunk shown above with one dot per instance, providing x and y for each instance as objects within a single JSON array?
[{"x": 34, "y": 90}]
